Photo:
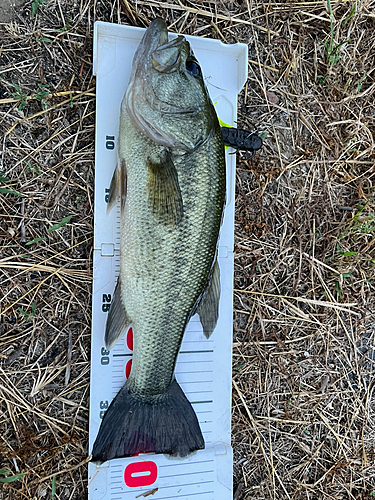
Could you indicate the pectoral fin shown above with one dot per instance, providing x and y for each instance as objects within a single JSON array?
[
  {"x": 164, "y": 192},
  {"x": 117, "y": 187},
  {"x": 208, "y": 308},
  {"x": 117, "y": 321}
]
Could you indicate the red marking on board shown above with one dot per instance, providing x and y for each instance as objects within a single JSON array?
[
  {"x": 140, "y": 474},
  {"x": 128, "y": 368},
  {"x": 129, "y": 339}
]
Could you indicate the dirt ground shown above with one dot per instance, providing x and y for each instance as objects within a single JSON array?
[
  {"x": 8, "y": 8},
  {"x": 303, "y": 422}
]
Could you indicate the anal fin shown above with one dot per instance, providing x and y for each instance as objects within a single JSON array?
[
  {"x": 117, "y": 321},
  {"x": 208, "y": 308}
]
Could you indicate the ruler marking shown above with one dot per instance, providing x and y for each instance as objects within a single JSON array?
[
  {"x": 198, "y": 382},
  {"x": 196, "y": 352},
  {"x": 179, "y": 361},
  {"x": 198, "y": 392},
  {"x": 189, "y": 474},
  {"x": 187, "y": 495},
  {"x": 179, "y": 464},
  {"x": 186, "y": 484},
  {"x": 205, "y": 361},
  {"x": 197, "y": 371},
  {"x": 163, "y": 498},
  {"x": 186, "y": 341}
]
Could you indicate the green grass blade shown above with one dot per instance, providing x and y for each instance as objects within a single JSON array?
[
  {"x": 351, "y": 14},
  {"x": 341, "y": 44},
  {"x": 59, "y": 224},
  {"x": 10, "y": 191},
  {"x": 35, "y": 240},
  {"x": 10, "y": 479},
  {"x": 53, "y": 487}
]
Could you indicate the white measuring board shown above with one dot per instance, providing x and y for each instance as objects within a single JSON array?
[{"x": 203, "y": 366}]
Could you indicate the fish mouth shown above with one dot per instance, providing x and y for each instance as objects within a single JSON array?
[
  {"x": 155, "y": 36},
  {"x": 157, "y": 32}
]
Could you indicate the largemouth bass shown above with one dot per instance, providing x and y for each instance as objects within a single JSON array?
[{"x": 171, "y": 182}]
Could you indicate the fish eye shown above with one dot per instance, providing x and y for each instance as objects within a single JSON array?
[{"x": 193, "y": 68}]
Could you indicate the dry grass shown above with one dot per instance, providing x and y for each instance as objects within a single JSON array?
[{"x": 303, "y": 402}]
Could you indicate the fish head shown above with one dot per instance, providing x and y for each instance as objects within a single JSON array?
[{"x": 167, "y": 98}]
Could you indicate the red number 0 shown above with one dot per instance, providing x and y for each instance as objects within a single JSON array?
[{"x": 140, "y": 474}]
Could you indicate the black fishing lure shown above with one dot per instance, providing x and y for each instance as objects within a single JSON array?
[{"x": 241, "y": 139}]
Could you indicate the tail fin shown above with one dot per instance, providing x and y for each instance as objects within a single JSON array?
[{"x": 137, "y": 424}]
